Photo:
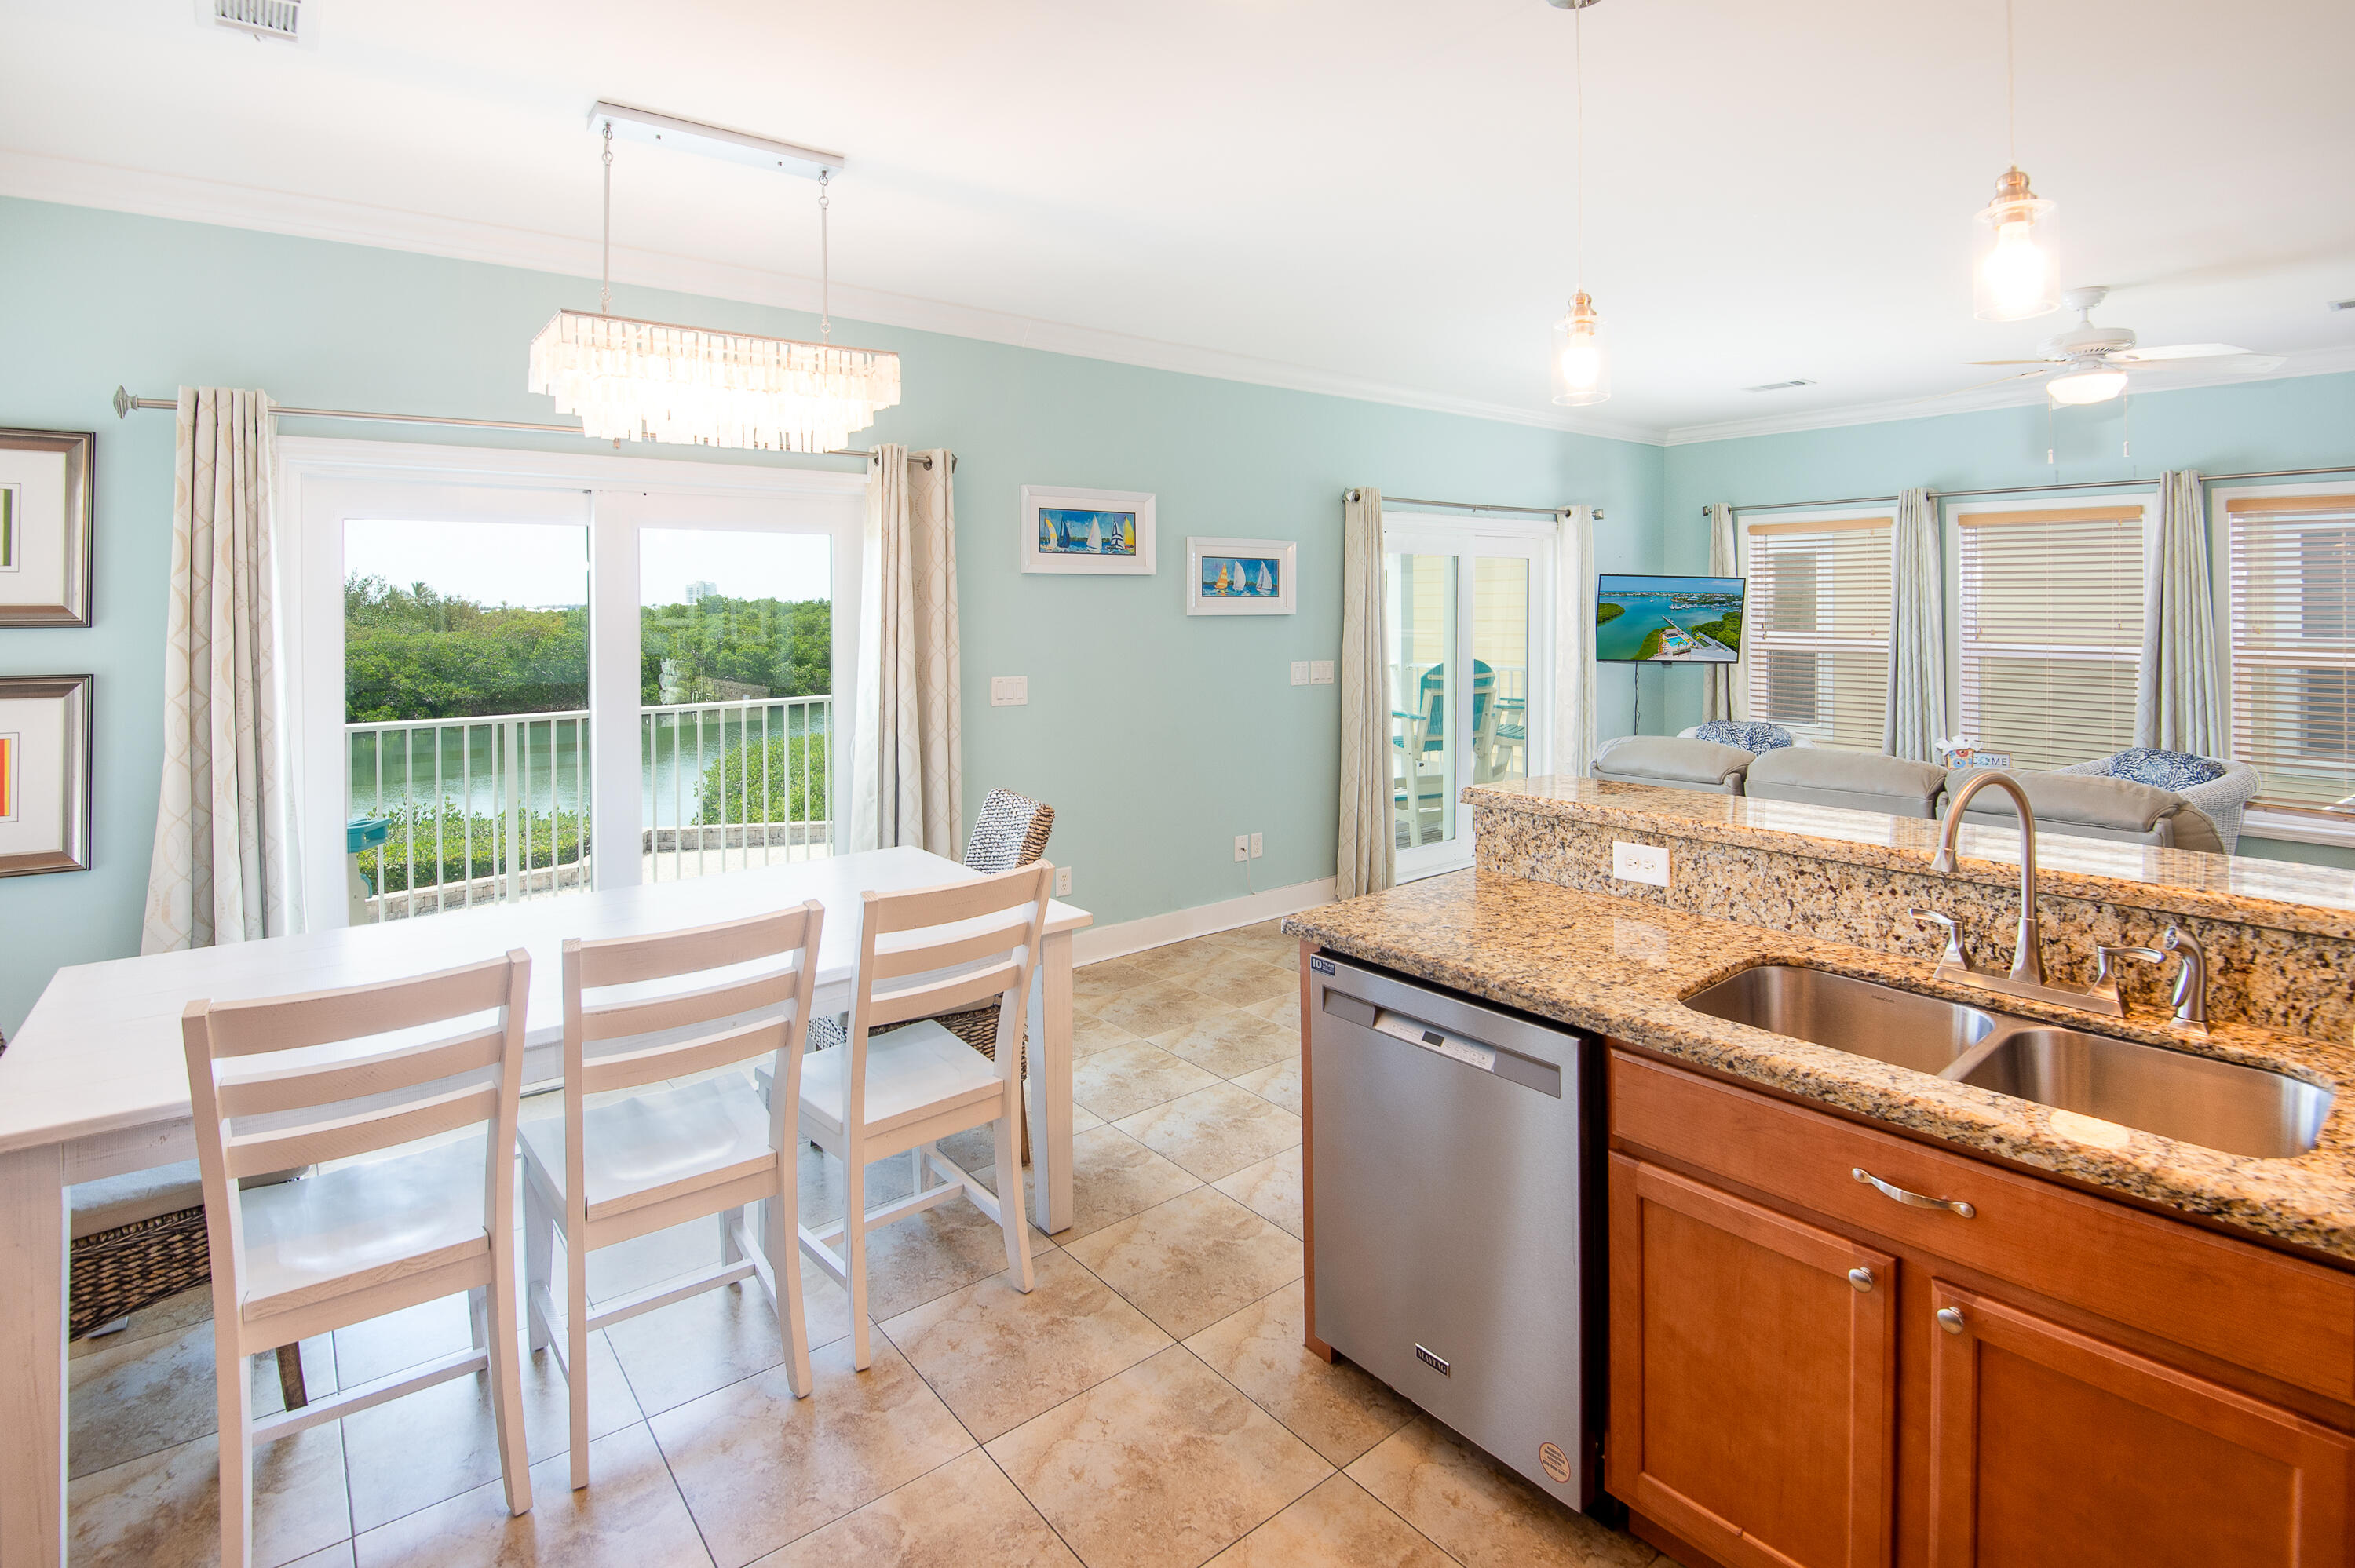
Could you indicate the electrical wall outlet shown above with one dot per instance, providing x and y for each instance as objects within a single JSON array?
[
  {"x": 1242, "y": 846},
  {"x": 1300, "y": 672},
  {"x": 1640, "y": 862},
  {"x": 1062, "y": 881},
  {"x": 1257, "y": 848},
  {"x": 1320, "y": 672},
  {"x": 1009, "y": 691}
]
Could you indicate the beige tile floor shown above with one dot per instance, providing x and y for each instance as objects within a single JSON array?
[{"x": 1147, "y": 1403}]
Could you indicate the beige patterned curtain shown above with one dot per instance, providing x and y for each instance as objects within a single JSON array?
[
  {"x": 2179, "y": 699},
  {"x": 1915, "y": 710},
  {"x": 225, "y": 867},
  {"x": 1573, "y": 690},
  {"x": 906, "y": 774},
  {"x": 1366, "y": 858},
  {"x": 1725, "y": 689}
]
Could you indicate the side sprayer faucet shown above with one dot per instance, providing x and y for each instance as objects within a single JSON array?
[{"x": 2026, "y": 976}]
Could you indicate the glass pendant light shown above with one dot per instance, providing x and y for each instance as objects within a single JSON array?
[
  {"x": 1580, "y": 361},
  {"x": 2012, "y": 270}
]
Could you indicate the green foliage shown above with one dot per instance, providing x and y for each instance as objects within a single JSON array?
[
  {"x": 1726, "y": 629},
  {"x": 409, "y": 654},
  {"x": 548, "y": 841},
  {"x": 785, "y": 645},
  {"x": 733, "y": 781},
  {"x": 1606, "y": 611}
]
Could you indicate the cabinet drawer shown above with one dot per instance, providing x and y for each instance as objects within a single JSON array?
[{"x": 2241, "y": 1303}]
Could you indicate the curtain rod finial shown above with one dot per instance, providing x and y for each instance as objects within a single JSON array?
[{"x": 122, "y": 403}]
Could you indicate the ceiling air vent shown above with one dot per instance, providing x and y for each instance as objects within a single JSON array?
[
  {"x": 262, "y": 18},
  {"x": 1778, "y": 385}
]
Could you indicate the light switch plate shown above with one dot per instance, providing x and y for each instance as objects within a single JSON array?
[
  {"x": 1009, "y": 691},
  {"x": 1320, "y": 672},
  {"x": 1640, "y": 862},
  {"x": 1300, "y": 672}
]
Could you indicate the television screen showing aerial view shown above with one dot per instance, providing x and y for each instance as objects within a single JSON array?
[{"x": 1675, "y": 620}]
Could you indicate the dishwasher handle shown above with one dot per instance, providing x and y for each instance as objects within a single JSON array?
[{"x": 1454, "y": 1044}]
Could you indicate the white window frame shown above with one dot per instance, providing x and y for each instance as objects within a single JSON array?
[
  {"x": 1753, "y": 632},
  {"x": 320, "y": 481},
  {"x": 2258, "y": 823},
  {"x": 2142, "y": 498},
  {"x": 1467, "y": 538}
]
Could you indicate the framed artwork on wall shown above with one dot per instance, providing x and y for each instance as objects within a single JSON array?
[
  {"x": 45, "y": 528},
  {"x": 45, "y": 740},
  {"x": 1242, "y": 577},
  {"x": 1087, "y": 533}
]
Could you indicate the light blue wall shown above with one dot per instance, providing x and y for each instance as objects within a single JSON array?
[
  {"x": 1156, "y": 738},
  {"x": 2301, "y": 423}
]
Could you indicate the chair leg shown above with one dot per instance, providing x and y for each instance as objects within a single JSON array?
[
  {"x": 236, "y": 1400},
  {"x": 507, "y": 1380},
  {"x": 538, "y": 1263},
  {"x": 1009, "y": 1190},
  {"x": 478, "y": 1316},
  {"x": 728, "y": 1251},
  {"x": 289, "y": 1377},
  {"x": 576, "y": 1347},
  {"x": 854, "y": 1254},
  {"x": 782, "y": 1237}
]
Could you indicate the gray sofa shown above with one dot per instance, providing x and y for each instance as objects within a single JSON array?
[
  {"x": 2098, "y": 806},
  {"x": 2222, "y": 799},
  {"x": 1673, "y": 762},
  {"x": 1851, "y": 781}
]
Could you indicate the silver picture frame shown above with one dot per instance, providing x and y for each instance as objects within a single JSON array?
[
  {"x": 47, "y": 513},
  {"x": 45, "y": 773}
]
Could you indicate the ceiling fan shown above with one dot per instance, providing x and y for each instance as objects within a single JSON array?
[{"x": 2093, "y": 362}]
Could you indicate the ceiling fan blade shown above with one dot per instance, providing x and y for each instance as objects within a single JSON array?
[
  {"x": 2014, "y": 362},
  {"x": 2240, "y": 363},
  {"x": 1979, "y": 385},
  {"x": 2176, "y": 351}
]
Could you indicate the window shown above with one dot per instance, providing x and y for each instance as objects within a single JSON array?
[
  {"x": 1819, "y": 614},
  {"x": 2292, "y": 620},
  {"x": 2048, "y": 629}
]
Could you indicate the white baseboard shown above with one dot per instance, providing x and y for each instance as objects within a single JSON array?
[{"x": 1095, "y": 943}]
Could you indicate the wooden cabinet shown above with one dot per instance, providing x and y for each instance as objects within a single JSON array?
[
  {"x": 2052, "y": 1379},
  {"x": 1752, "y": 1376}
]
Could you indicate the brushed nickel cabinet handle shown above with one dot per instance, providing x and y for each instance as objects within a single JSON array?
[
  {"x": 1918, "y": 1200},
  {"x": 1951, "y": 1320},
  {"x": 1862, "y": 1278}
]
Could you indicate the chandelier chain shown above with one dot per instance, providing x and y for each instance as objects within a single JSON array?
[
  {"x": 825, "y": 261},
  {"x": 605, "y": 273}
]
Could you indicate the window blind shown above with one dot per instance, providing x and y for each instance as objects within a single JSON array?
[
  {"x": 1815, "y": 628},
  {"x": 2051, "y": 631},
  {"x": 2293, "y": 646}
]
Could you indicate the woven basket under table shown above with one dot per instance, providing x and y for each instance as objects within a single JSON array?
[{"x": 119, "y": 1271}]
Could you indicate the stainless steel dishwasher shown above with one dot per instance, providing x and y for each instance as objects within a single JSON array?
[{"x": 1457, "y": 1187}]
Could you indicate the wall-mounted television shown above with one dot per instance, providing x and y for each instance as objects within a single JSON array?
[{"x": 1668, "y": 620}]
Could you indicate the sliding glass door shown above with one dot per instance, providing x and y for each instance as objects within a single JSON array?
[{"x": 1470, "y": 619}]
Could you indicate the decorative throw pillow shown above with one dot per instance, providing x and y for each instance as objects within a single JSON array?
[
  {"x": 1752, "y": 737},
  {"x": 2177, "y": 770}
]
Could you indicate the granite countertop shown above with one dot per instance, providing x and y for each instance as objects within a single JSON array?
[
  {"x": 1619, "y": 968},
  {"x": 2278, "y": 894}
]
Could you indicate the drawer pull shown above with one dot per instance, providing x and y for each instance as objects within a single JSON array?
[
  {"x": 1862, "y": 1279},
  {"x": 1919, "y": 1200},
  {"x": 1951, "y": 1320}
]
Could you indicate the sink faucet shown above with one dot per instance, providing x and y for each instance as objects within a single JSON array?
[{"x": 2027, "y": 954}]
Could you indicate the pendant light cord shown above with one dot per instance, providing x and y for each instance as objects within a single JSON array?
[
  {"x": 2010, "y": 87},
  {"x": 605, "y": 275},
  {"x": 825, "y": 262},
  {"x": 1578, "y": 77}
]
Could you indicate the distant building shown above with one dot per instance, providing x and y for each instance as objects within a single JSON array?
[{"x": 696, "y": 592}]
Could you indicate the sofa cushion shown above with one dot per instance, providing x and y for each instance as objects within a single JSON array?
[
  {"x": 2162, "y": 770},
  {"x": 1757, "y": 738},
  {"x": 1671, "y": 760},
  {"x": 2101, "y": 806},
  {"x": 1852, "y": 780}
]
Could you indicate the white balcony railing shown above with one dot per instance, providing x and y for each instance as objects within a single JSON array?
[{"x": 498, "y": 807}]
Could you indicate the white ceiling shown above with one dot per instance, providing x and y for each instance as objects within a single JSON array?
[{"x": 1370, "y": 197}]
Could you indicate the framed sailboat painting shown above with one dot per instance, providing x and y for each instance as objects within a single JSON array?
[
  {"x": 1087, "y": 533},
  {"x": 1241, "y": 576}
]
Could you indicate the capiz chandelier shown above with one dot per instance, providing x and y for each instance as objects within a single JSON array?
[{"x": 655, "y": 381}]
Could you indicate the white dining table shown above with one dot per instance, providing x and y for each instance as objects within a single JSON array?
[{"x": 95, "y": 1084}]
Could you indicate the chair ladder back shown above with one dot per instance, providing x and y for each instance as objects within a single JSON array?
[
  {"x": 353, "y": 1013},
  {"x": 957, "y": 906}
]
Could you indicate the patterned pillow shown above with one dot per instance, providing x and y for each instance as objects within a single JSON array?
[
  {"x": 2175, "y": 770},
  {"x": 1752, "y": 737}
]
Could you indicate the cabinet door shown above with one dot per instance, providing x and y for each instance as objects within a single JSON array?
[
  {"x": 1752, "y": 1376},
  {"x": 2053, "y": 1448}
]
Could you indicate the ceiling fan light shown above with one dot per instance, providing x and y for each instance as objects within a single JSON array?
[
  {"x": 2082, "y": 387},
  {"x": 1581, "y": 359},
  {"x": 2013, "y": 274}
]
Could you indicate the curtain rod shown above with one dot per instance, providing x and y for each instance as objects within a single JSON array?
[
  {"x": 2038, "y": 489},
  {"x": 124, "y": 402},
  {"x": 1474, "y": 506}
]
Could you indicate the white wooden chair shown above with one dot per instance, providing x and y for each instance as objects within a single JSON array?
[
  {"x": 609, "y": 1172},
  {"x": 348, "y": 1073},
  {"x": 923, "y": 953}
]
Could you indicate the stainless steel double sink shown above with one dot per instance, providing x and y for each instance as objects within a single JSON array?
[{"x": 2217, "y": 1105}]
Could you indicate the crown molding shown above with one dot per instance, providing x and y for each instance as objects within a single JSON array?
[
  {"x": 73, "y": 183},
  {"x": 2308, "y": 361}
]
